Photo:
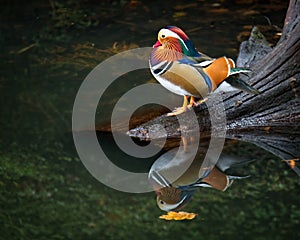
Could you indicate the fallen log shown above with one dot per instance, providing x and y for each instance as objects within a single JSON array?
[{"x": 270, "y": 120}]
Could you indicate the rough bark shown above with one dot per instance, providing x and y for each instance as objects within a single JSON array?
[{"x": 271, "y": 119}]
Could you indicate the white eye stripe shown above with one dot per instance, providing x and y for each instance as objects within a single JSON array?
[{"x": 169, "y": 33}]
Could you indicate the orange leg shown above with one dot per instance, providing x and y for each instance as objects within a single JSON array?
[
  {"x": 201, "y": 101},
  {"x": 180, "y": 109},
  {"x": 192, "y": 103}
]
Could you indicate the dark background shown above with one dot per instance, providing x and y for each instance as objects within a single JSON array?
[{"x": 47, "y": 49}]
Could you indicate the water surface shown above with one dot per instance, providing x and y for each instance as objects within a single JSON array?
[{"x": 45, "y": 190}]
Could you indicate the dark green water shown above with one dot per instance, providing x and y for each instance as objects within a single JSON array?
[{"x": 47, "y": 49}]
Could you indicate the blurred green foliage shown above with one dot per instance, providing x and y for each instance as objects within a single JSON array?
[{"x": 45, "y": 191}]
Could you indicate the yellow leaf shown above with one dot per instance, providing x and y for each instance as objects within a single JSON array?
[{"x": 178, "y": 216}]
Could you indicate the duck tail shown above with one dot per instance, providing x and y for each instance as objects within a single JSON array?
[
  {"x": 238, "y": 83},
  {"x": 235, "y": 70}
]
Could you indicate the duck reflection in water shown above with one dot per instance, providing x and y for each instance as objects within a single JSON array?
[{"x": 175, "y": 189}]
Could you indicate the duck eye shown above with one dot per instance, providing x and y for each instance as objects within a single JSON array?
[
  {"x": 163, "y": 36},
  {"x": 161, "y": 202}
]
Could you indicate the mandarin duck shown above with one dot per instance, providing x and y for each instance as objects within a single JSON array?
[
  {"x": 174, "y": 196},
  {"x": 180, "y": 68}
]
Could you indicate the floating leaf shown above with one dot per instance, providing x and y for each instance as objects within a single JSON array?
[
  {"x": 291, "y": 162},
  {"x": 178, "y": 216}
]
